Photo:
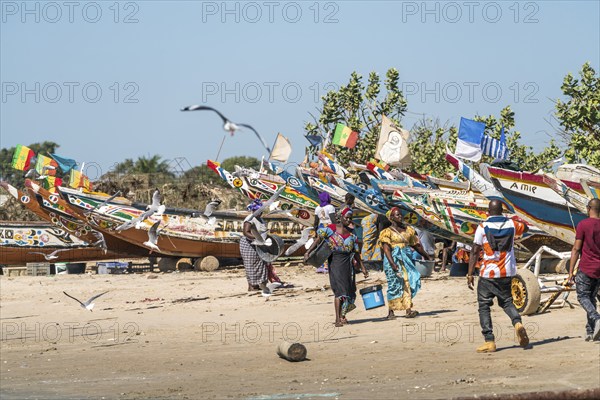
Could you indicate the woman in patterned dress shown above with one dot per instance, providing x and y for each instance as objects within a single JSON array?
[
  {"x": 404, "y": 281},
  {"x": 344, "y": 259},
  {"x": 257, "y": 270}
]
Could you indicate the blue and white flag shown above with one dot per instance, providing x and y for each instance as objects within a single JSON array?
[
  {"x": 470, "y": 135},
  {"x": 494, "y": 147}
]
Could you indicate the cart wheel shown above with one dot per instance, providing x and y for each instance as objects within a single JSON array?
[
  {"x": 167, "y": 264},
  {"x": 185, "y": 264},
  {"x": 526, "y": 292},
  {"x": 208, "y": 263}
]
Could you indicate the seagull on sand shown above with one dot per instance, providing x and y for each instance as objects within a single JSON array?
[
  {"x": 229, "y": 126},
  {"x": 88, "y": 305},
  {"x": 51, "y": 256},
  {"x": 153, "y": 238},
  {"x": 152, "y": 209}
]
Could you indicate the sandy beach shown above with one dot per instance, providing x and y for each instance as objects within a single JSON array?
[{"x": 201, "y": 335}]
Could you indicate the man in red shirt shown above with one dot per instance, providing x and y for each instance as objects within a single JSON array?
[
  {"x": 494, "y": 241},
  {"x": 587, "y": 281}
]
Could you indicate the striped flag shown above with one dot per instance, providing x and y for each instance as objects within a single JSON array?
[
  {"x": 45, "y": 165},
  {"x": 51, "y": 183},
  {"x": 77, "y": 180},
  {"x": 494, "y": 147},
  {"x": 344, "y": 136},
  {"x": 22, "y": 157}
]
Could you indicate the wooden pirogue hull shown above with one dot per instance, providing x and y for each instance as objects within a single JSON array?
[
  {"x": 185, "y": 234},
  {"x": 55, "y": 210},
  {"x": 537, "y": 203},
  {"x": 19, "y": 239}
]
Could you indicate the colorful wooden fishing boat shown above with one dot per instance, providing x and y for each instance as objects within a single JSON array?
[{"x": 536, "y": 202}]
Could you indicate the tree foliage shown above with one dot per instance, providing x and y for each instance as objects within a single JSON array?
[
  {"x": 359, "y": 107},
  {"x": 579, "y": 116}
]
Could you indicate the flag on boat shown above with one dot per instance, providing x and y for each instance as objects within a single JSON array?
[
  {"x": 281, "y": 149},
  {"x": 392, "y": 147},
  {"x": 45, "y": 165},
  {"x": 22, "y": 157},
  {"x": 65, "y": 164},
  {"x": 344, "y": 136},
  {"x": 494, "y": 147},
  {"x": 470, "y": 135},
  {"x": 51, "y": 183},
  {"x": 315, "y": 140},
  {"x": 78, "y": 180}
]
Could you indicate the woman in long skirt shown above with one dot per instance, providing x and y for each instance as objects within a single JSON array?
[
  {"x": 257, "y": 270},
  {"x": 345, "y": 257},
  {"x": 404, "y": 281}
]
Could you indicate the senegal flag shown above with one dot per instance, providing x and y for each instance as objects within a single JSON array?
[
  {"x": 45, "y": 165},
  {"x": 77, "y": 180},
  {"x": 344, "y": 136},
  {"x": 22, "y": 157},
  {"x": 51, "y": 183}
]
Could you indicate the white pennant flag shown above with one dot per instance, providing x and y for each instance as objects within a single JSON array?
[{"x": 281, "y": 149}]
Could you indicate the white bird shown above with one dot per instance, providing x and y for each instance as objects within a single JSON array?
[
  {"x": 267, "y": 204},
  {"x": 300, "y": 242},
  {"x": 243, "y": 171},
  {"x": 153, "y": 238},
  {"x": 153, "y": 209},
  {"x": 51, "y": 256},
  {"x": 88, "y": 305},
  {"x": 105, "y": 202},
  {"x": 100, "y": 242},
  {"x": 229, "y": 126},
  {"x": 211, "y": 207}
]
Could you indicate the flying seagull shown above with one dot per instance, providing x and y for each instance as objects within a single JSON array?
[
  {"x": 300, "y": 242},
  {"x": 153, "y": 238},
  {"x": 105, "y": 202},
  {"x": 51, "y": 256},
  {"x": 229, "y": 126},
  {"x": 211, "y": 207},
  {"x": 152, "y": 209},
  {"x": 88, "y": 305}
]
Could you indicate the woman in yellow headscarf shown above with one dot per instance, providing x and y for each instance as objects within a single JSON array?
[{"x": 404, "y": 281}]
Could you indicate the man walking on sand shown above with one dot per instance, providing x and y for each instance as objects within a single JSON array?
[
  {"x": 587, "y": 281},
  {"x": 496, "y": 237}
]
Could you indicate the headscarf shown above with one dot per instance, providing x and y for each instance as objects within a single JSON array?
[
  {"x": 324, "y": 198},
  {"x": 390, "y": 211},
  {"x": 255, "y": 205}
]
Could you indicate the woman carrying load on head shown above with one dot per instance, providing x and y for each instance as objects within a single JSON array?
[
  {"x": 404, "y": 281},
  {"x": 344, "y": 259},
  {"x": 257, "y": 270}
]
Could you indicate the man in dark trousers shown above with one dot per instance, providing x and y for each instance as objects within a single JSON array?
[
  {"x": 587, "y": 281},
  {"x": 496, "y": 238}
]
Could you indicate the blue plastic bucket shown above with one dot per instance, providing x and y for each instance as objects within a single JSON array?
[{"x": 372, "y": 297}]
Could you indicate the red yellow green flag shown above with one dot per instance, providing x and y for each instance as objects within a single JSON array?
[
  {"x": 51, "y": 183},
  {"x": 77, "y": 180},
  {"x": 22, "y": 157},
  {"x": 344, "y": 136},
  {"x": 45, "y": 165}
]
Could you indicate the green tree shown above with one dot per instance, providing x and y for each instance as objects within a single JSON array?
[
  {"x": 359, "y": 107},
  {"x": 579, "y": 116}
]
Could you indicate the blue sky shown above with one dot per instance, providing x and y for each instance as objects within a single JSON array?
[{"x": 107, "y": 81}]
